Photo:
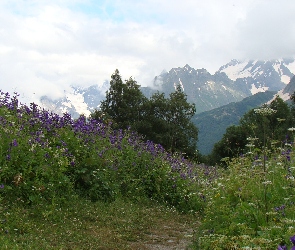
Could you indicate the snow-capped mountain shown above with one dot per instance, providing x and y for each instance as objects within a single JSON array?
[
  {"x": 231, "y": 83},
  {"x": 205, "y": 90},
  {"x": 286, "y": 92},
  {"x": 78, "y": 101},
  {"x": 260, "y": 76}
]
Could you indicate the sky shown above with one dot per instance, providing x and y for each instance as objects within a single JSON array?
[{"x": 46, "y": 46}]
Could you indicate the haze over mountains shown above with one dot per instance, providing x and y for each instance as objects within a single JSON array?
[{"x": 231, "y": 84}]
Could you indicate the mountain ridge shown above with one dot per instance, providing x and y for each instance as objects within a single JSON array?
[{"x": 233, "y": 82}]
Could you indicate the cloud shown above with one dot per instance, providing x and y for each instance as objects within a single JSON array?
[
  {"x": 268, "y": 30},
  {"x": 46, "y": 46}
]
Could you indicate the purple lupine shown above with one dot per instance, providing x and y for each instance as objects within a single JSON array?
[
  {"x": 282, "y": 247},
  {"x": 14, "y": 143}
]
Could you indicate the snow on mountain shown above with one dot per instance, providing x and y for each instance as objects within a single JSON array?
[
  {"x": 231, "y": 83},
  {"x": 206, "y": 91},
  {"x": 235, "y": 69},
  {"x": 240, "y": 69},
  {"x": 286, "y": 92},
  {"x": 76, "y": 102},
  {"x": 261, "y": 75}
]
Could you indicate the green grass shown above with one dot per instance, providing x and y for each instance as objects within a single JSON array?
[{"x": 82, "y": 224}]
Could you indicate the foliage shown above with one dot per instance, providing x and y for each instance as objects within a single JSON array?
[
  {"x": 45, "y": 158},
  {"x": 48, "y": 163},
  {"x": 272, "y": 127},
  {"x": 212, "y": 124},
  {"x": 253, "y": 204},
  {"x": 165, "y": 121},
  {"x": 123, "y": 103}
]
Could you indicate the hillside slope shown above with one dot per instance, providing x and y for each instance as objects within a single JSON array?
[{"x": 212, "y": 124}]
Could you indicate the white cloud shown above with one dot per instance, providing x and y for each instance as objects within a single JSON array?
[
  {"x": 46, "y": 46},
  {"x": 268, "y": 30}
]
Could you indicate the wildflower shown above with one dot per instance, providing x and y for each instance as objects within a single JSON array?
[
  {"x": 292, "y": 239},
  {"x": 14, "y": 143},
  {"x": 291, "y": 129},
  {"x": 282, "y": 247},
  {"x": 2, "y": 186},
  {"x": 267, "y": 182},
  {"x": 265, "y": 111}
]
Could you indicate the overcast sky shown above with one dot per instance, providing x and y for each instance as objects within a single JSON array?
[{"x": 48, "y": 45}]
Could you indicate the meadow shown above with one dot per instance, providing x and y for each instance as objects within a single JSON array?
[{"x": 78, "y": 184}]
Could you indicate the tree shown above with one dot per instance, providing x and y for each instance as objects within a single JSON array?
[
  {"x": 183, "y": 134},
  {"x": 273, "y": 126},
  {"x": 266, "y": 128},
  {"x": 231, "y": 145},
  {"x": 166, "y": 121},
  {"x": 123, "y": 104}
]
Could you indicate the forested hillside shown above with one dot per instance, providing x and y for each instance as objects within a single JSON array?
[{"x": 213, "y": 124}]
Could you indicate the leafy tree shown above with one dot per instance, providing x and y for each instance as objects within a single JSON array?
[
  {"x": 271, "y": 128},
  {"x": 123, "y": 104},
  {"x": 231, "y": 145},
  {"x": 166, "y": 121},
  {"x": 183, "y": 134},
  {"x": 154, "y": 123}
]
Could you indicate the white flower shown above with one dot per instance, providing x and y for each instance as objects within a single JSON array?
[
  {"x": 267, "y": 182},
  {"x": 265, "y": 111}
]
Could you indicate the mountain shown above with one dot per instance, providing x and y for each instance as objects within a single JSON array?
[
  {"x": 78, "y": 101},
  {"x": 233, "y": 82},
  {"x": 213, "y": 124},
  {"x": 260, "y": 76},
  {"x": 289, "y": 90},
  {"x": 205, "y": 90}
]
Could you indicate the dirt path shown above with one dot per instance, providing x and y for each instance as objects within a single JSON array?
[{"x": 167, "y": 238}]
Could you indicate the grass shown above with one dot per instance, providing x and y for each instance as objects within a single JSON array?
[{"x": 82, "y": 224}]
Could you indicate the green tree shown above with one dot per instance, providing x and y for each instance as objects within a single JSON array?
[
  {"x": 123, "y": 104},
  {"x": 231, "y": 145},
  {"x": 166, "y": 121},
  {"x": 267, "y": 129},
  {"x": 183, "y": 134}
]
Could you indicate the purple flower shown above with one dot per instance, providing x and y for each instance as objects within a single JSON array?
[
  {"x": 292, "y": 239},
  {"x": 2, "y": 186},
  {"x": 282, "y": 247},
  {"x": 14, "y": 143}
]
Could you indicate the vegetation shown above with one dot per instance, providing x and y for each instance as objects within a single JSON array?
[
  {"x": 213, "y": 124},
  {"x": 273, "y": 127},
  {"x": 90, "y": 183},
  {"x": 165, "y": 121},
  {"x": 49, "y": 163},
  {"x": 252, "y": 204}
]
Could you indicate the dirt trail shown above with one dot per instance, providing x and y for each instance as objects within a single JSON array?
[{"x": 167, "y": 238}]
